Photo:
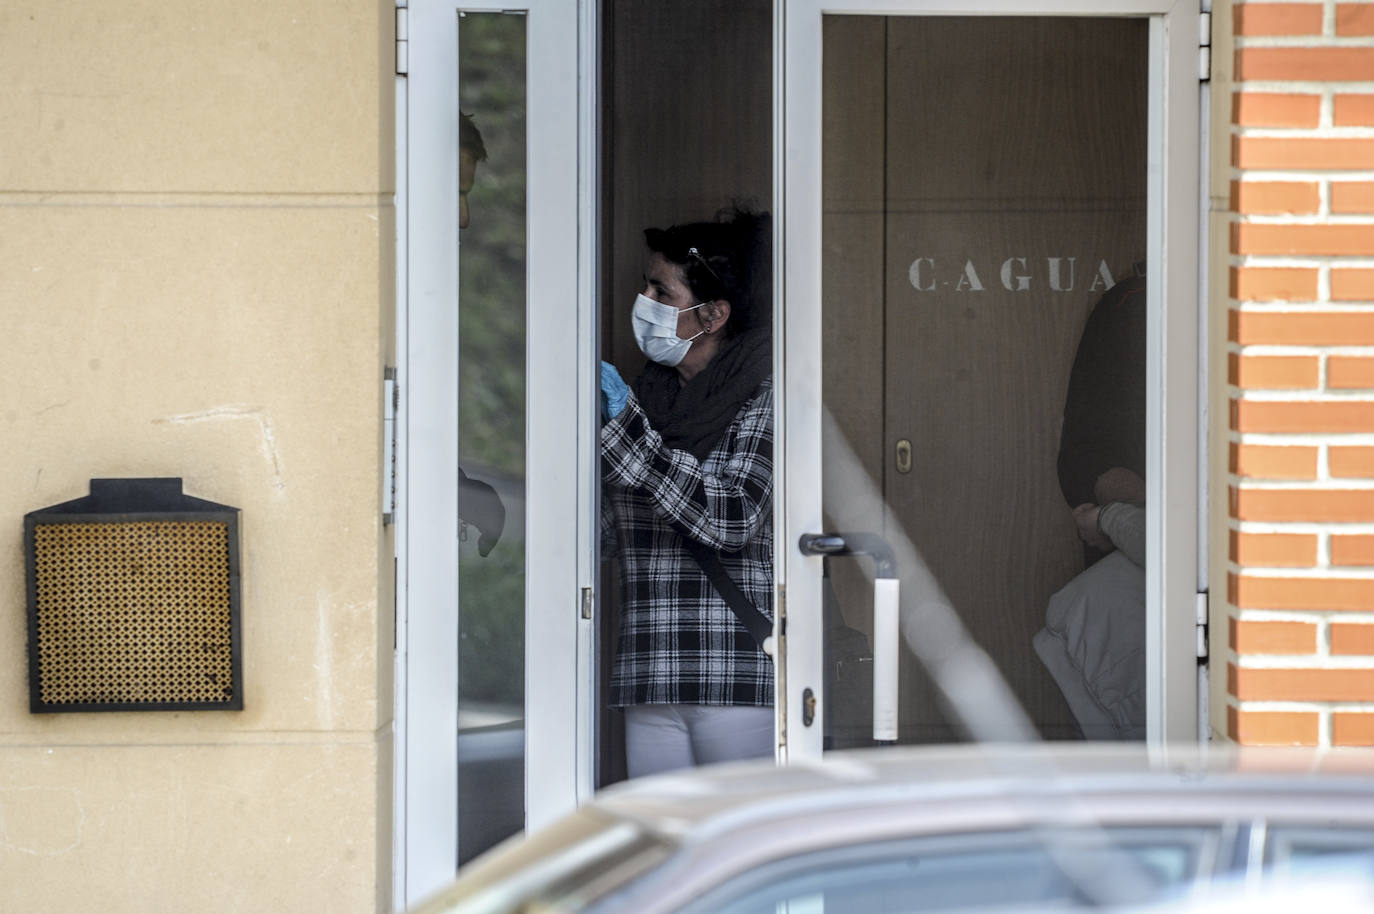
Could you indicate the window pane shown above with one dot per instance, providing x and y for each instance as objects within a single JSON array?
[
  {"x": 686, "y": 137},
  {"x": 1305, "y": 849},
  {"x": 984, "y": 215},
  {"x": 491, "y": 430}
]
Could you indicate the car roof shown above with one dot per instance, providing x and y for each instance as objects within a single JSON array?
[
  {"x": 1041, "y": 776},
  {"x": 688, "y": 830}
]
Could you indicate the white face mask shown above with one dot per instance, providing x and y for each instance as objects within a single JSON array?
[{"x": 655, "y": 326}]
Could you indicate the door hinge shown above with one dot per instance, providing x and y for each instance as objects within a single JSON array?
[
  {"x": 586, "y": 603},
  {"x": 1202, "y": 647},
  {"x": 391, "y": 401},
  {"x": 1204, "y": 41},
  {"x": 402, "y": 41}
]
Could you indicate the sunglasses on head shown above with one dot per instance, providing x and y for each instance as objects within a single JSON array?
[{"x": 694, "y": 253}]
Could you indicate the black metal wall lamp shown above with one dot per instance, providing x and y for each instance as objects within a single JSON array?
[{"x": 133, "y": 601}]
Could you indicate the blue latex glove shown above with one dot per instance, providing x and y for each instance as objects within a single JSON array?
[{"x": 614, "y": 392}]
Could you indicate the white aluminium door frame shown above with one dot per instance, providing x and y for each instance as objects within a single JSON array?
[
  {"x": 427, "y": 513},
  {"x": 560, "y": 455},
  {"x": 1172, "y": 346}
]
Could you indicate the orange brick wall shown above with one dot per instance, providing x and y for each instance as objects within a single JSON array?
[{"x": 1299, "y": 649}]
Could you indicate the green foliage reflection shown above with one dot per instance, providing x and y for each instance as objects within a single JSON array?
[{"x": 491, "y": 321}]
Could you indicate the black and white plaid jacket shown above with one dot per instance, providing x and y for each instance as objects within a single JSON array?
[{"x": 679, "y": 641}]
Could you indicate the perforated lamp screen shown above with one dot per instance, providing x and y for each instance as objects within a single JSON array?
[{"x": 133, "y": 601}]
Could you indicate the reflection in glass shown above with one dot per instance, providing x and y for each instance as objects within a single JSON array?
[
  {"x": 984, "y": 211},
  {"x": 491, "y": 424},
  {"x": 993, "y": 871},
  {"x": 1318, "y": 849}
]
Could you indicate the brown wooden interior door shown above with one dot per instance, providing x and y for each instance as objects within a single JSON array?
[
  {"x": 688, "y": 132},
  {"x": 984, "y": 177}
]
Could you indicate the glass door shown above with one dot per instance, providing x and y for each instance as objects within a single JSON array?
[
  {"x": 492, "y": 513},
  {"x": 989, "y": 273}
]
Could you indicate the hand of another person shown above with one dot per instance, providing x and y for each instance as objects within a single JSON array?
[
  {"x": 1120, "y": 484},
  {"x": 1085, "y": 515},
  {"x": 480, "y": 505},
  {"x": 614, "y": 392}
]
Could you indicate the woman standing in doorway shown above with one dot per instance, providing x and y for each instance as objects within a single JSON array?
[{"x": 688, "y": 485}]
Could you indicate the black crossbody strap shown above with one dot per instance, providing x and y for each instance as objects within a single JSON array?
[{"x": 748, "y": 614}]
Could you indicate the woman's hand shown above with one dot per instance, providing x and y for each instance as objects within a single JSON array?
[{"x": 614, "y": 392}]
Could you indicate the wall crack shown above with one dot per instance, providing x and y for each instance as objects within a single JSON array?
[{"x": 239, "y": 411}]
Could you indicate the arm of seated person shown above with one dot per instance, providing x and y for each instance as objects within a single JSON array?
[
  {"x": 1113, "y": 526},
  {"x": 1124, "y": 525}
]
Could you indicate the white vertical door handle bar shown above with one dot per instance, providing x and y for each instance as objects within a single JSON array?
[{"x": 887, "y": 637}]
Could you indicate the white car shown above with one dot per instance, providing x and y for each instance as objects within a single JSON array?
[{"x": 959, "y": 828}]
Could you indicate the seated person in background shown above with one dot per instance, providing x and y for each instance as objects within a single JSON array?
[
  {"x": 1093, "y": 641},
  {"x": 1104, "y": 408},
  {"x": 1116, "y": 520}
]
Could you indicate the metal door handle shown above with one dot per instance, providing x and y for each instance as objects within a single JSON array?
[
  {"x": 823, "y": 544},
  {"x": 835, "y": 544},
  {"x": 887, "y": 629}
]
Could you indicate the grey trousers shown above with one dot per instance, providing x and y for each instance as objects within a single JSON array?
[{"x": 666, "y": 737}]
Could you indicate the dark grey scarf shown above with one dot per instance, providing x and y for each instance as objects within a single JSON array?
[{"x": 693, "y": 417}]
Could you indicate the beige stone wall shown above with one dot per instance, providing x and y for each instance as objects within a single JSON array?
[{"x": 196, "y": 280}]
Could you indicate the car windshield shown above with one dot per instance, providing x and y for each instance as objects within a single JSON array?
[{"x": 1020, "y": 870}]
